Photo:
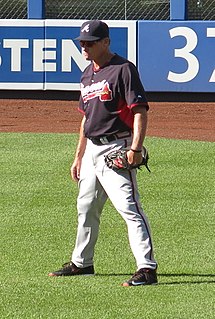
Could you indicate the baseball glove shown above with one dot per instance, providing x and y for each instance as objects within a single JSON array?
[{"x": 117, "y": 160}]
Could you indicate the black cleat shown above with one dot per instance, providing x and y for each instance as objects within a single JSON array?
[
  {"x": 142, "y": 277},
  {"x": 70, "y": 269}
]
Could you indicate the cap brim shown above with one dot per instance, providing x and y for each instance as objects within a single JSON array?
[{"x": 87, "y": 38}]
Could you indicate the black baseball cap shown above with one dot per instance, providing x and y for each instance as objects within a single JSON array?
[{"x": 93, "y": 30}]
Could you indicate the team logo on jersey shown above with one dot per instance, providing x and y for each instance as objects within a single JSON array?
[{"x": 100, "y": 89}]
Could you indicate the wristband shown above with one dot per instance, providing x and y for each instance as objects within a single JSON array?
[{"x": 136, "y": 151}]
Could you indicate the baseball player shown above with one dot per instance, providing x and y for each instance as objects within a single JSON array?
[{"x": 114, "y": 111}]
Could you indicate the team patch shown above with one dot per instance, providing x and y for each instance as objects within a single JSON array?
[{"x": 100, "y": 89}]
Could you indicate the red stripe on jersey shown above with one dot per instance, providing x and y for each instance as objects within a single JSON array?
[
  {"x": 81, "y": 111},
  {"x": 125, "y": 113},
  {"x": 140, "y": 104}
]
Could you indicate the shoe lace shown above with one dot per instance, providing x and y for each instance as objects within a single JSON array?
[
  {"x": 67, "y": 265},
  {"x": 138, "y": 275}
]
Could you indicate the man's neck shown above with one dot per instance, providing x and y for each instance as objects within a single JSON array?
[{"x": 103, "y": 60}]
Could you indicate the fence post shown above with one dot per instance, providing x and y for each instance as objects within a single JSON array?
[
  {"x": 36, "y": 9},
  {"x": 178, "y": 9}
]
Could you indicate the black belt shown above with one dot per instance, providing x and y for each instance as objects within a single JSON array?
[{"x": 109, "y": 138}]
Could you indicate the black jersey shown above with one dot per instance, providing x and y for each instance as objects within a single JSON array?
[{"x": 108, "y": 96}]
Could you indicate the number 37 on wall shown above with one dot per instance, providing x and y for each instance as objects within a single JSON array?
[{"x": 186, "y": 53}]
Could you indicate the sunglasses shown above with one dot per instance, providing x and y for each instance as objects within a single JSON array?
[{"x": 87, "y": 44}]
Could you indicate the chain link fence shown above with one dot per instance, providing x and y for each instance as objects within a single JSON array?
[
  {"x": 13, "y": 9},
  {"x": 108, "y": 9},
  {"x": 201, "y": 9}
]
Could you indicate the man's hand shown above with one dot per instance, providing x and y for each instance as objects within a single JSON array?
[
  {"x": 75, "y": 170},
  {"x": 134, "y": 158},
  {"x": 76, "y": 166}
]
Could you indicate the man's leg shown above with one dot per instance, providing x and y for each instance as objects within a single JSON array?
[
  {"x": 90, "y": 202},
  {"x": 121, "y": 188}
]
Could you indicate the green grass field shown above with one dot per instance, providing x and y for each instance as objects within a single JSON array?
[{"x": 38, "y": 229}]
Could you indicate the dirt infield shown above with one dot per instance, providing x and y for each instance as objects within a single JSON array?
[{"x": 181, "y": 120}]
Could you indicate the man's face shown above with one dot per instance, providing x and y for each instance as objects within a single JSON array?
[{"x": 92, "y": 50}]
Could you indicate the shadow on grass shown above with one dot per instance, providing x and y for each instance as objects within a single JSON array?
[{"x": 191, "y": 278}]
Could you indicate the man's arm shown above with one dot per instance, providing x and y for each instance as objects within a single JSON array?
[
  {"x": 76, "y": 166},
  {"x": 139, "y": 132}
]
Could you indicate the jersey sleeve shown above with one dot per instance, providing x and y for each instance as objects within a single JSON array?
[{"x": 133, "y": 90}]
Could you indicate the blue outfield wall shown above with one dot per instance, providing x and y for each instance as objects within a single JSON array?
[
  {"x": 176, "y": 56},
  {"x": 42, "y": 55}
]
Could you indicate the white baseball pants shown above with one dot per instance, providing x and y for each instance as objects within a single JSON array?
[{"x": 97, "y": 183}]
